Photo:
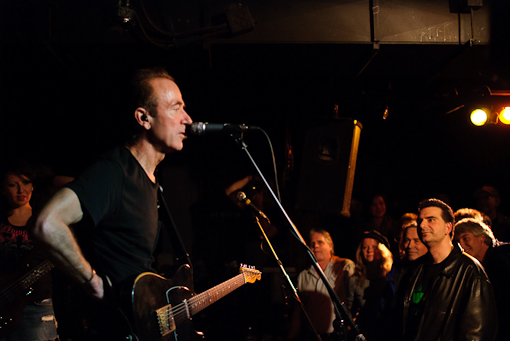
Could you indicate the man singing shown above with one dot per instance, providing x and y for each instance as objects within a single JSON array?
[{"x": 113, "y": 203}]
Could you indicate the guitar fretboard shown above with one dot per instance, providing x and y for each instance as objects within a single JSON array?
[
  {"x": 170, "y": 316},
  {"x": 27, "y": 280},
  {"x": 208, "y": 297}
]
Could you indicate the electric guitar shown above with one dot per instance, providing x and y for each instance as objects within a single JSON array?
[
  {"x": 15, "y": 295},
  {"x": 162, "y": 308}
]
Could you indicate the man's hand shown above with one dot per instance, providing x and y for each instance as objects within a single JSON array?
[{"x": 95, "y": 287}]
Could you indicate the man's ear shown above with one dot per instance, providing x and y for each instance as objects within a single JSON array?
[
  {"x": 142, "y": 117},
  {"x": 450, "y": 227}
]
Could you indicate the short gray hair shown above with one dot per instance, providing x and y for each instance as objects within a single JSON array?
[{"x": 477, "y": 228}]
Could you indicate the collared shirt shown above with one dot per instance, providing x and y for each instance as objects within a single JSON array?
[{"x": 314, "y": 293}]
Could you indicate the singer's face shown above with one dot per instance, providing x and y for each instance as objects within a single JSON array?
[
  {"x": 168, "y": 127},
  {"x": 320, "y": 247}
]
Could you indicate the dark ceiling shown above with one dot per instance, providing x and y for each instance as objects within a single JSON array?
[{"x": 64, "y": 65}]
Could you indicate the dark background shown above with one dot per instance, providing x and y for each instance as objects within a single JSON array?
[{"x": 64, "y": 67}]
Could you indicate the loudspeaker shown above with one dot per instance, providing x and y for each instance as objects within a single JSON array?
[
  {"x": 464, "y": 6},
  {"x": 327, "y": 167}
]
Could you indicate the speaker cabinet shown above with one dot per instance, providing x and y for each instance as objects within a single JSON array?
[
  {"x": 464, "y": 6},
  {"x": 327, "y": 167}
]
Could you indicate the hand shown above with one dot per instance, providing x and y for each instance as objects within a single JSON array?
[{"x": 95, "y": 288}]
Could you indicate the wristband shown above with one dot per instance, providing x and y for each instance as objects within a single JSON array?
[{"x": 92, "y": 274}]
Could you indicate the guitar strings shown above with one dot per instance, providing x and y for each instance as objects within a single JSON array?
[
  {"x": 178, "y": 311},
  {"x": 6, "y": 294}
]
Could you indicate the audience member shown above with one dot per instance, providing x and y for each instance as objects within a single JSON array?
[
  {"x": 399, "y": 276},
  {"x": 448, "y": 296},
  {"x": 413, "y": 246},
  {"x": 381, "y": 221},
  {"x": 19, "y": 257},
  {"x": 313, "y": 292},
  {"x": 408, "y": 218},
  {"x": 462, "y": 213},
  {"x": 478, "y": 240},
  {"x": 488, "y": 202},
  {"x": 409, "y": 246},
  {"x": 405, "y": 220},
  {"x": 369, "y": 290}
]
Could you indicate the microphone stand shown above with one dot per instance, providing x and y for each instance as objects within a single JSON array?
[
  {"x": 286, "y": 275},
  {"x": 340, "y": 309}
]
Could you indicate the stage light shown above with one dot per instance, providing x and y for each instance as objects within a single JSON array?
[
  {"x": 491, "y": 108},
  {"x": 479, "y": 117},
  {"x": 504, "y": 115}
]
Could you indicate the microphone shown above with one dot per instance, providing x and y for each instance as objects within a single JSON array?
[
  {"x": 201, "y": 128},
  {"x": 241, "y": 196}
]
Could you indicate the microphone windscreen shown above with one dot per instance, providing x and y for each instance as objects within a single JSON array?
[
  {"x": 200, "y": 128},
  {"x": 241, "y": 196},
  {"x": 197, "y": 128}
]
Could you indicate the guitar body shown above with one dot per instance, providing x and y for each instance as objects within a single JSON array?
[
  {"x": 151, "y": 292},
  {"x": 162, "y": 308}
]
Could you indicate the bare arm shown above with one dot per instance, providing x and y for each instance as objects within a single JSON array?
[{"x": 52, "y": 231}]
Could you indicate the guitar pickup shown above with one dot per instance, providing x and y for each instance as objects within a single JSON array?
[{"x": 165, "y": 320}]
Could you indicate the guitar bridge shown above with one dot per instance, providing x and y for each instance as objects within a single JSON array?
[{"x": 165, "y": 320}]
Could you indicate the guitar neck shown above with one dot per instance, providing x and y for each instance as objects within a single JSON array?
[
  {"x": 28, "y": 279},
  {"x": 171, "y": 316},
  {"x": 206, "y": 298}
]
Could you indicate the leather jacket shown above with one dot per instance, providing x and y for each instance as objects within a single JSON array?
[{"x": 460, "y": 303}]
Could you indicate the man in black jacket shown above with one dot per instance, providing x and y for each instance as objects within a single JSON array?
[
  {"x": 448, "y": 296},
  {"x": 477, "y": 239}
]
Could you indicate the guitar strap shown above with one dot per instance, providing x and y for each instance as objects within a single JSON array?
[{"x": 182, "y": 256}]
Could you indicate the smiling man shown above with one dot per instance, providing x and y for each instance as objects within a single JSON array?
[
  {"x": 475, "y": 237},
  {"x": 413, "y": 246},
  {"x": 477, "y": 240},
  {"x": 112, "y": 205},
  {"x": 449, "y": 296}
]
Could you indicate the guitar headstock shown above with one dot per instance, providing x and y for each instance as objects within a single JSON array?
[{"x": 250, "y": 273}]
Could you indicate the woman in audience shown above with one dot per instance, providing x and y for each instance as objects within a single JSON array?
[{"x": 369, "y": 290}]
